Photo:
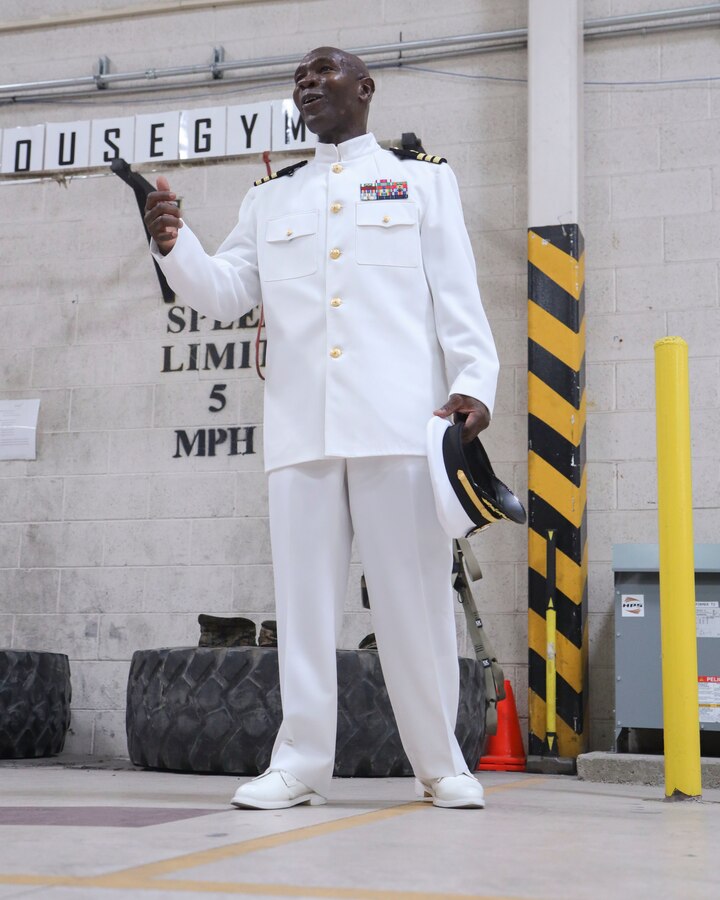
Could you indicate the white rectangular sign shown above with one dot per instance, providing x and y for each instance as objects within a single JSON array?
[
  {"x": 709, "y": 698},
  {"x": 632, "y": 606},
  {"x": 249, "y": 128},
  {"x": 202, "y": 133},
  {"x": 289, "y": 132},
  {"x": 67, "y": 145},
  {"x": 707, "y": 618},
  {"x": 155, "y": 137},
  {"x": 18, "y": 428},
  {"x": 112, "y": 139},
  {"x": 23, "y": 149}
]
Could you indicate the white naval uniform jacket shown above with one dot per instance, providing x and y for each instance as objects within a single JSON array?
[{"x": 372, "y": 309}]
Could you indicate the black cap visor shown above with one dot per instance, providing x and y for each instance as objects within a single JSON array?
[{"x": 482, "y": 495}]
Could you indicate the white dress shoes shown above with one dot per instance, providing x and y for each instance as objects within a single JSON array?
[
  {"x": 276, "y": 789},
  {"x": 454, "y": 792}
]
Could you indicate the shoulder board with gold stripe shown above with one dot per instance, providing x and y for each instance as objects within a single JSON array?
[
  {"x": 288, "y": 170},
  {"x": 414, "y": 154}
]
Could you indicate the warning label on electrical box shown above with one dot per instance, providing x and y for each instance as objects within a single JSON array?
[
  {"x": 709, "y": 698},
  {"x": 707, "y": 618},
  {"x": 632, "y": 605}
]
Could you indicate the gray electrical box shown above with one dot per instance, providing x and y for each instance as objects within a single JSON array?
[{"x": 638, "y": 660}]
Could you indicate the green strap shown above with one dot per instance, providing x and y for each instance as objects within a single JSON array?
[{"x": 492, "y": 671}]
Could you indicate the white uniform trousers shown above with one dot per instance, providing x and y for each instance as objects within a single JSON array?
[{"x": 388, "y": 503}]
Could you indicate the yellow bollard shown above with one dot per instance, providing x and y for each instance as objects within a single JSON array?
[{"x": 677, "y": 571}]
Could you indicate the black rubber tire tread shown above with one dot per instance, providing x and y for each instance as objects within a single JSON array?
[
  {"x": 35, "y": 694},
  {"x": 368, "y": 743},
  {"x": 217, "y": 710}
]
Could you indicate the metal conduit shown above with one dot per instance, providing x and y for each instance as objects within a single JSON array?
[
  {"x": 268, "y": 62},
  {"x": 634, "y": 18},
  {"x": 265, "y": 79},
  {"x": 281, "y": 67},
  {"x": 166, "y": 7}
]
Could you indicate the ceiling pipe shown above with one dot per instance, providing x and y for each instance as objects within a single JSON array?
[{"x": 282, "y": 67}]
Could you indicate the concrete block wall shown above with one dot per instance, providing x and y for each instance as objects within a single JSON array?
[
  {"x": 651, "y": 203},
  {"x": 108, "y": 543}
]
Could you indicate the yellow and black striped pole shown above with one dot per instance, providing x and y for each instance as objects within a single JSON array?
[{"x": 557, "y": 485}]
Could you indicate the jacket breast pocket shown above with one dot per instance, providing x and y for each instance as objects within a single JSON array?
[
  {"x": 289, "y": 249},
  {"x": 387, "y": 233}
]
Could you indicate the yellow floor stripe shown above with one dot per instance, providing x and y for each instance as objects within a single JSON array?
[
  {"x": 142, "y": 878},
  {"x": 282, "y": 890},
  {"x": 555, "y": 410},
  {"x": 244, "y": 888},
  {"x": 569, "y": 576},
  {"x": 513, "y": 785},
  {"x": 44, "y": 880},
  {"x": 556, "y": 489},
  {"x": 559, "y": 266},
  {"x": 205, "y": 857}
]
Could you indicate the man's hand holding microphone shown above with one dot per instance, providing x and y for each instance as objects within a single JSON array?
[{"x": 162, "y": 216}]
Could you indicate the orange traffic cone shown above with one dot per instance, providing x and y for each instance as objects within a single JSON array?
[{"x": 505, "y": 752}]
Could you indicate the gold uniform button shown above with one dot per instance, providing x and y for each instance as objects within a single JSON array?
[
  {"x": 337, "y": 168},
  {"x": 336, "y": 301},
  {"x": 335, "y": 253},
  {"x": 386, "y": 219},
  {"x": 336, "y": 353},
  {"x": 336, "y": 207},
  {"x": 289, "y": 232}
]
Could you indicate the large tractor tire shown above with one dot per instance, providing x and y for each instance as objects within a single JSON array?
[
  {"x": 35, "y": 695},
  {"x": 217, "y": 710}
]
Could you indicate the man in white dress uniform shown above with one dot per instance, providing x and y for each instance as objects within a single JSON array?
[{"x": 373, "y": 321}]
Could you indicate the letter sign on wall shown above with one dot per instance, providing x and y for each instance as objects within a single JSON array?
[
  {"x": 22, "y": 149},
  {"x": 112, "y": 139},
  {"x": 289, "y": 130},
  {"x": 167, "y": 136},
  {"x": 67, "y": 145},
  {"x": 156, "y": 136},
  {"x": 202, "y": 133},
  {"x": 248, "y": 128}
]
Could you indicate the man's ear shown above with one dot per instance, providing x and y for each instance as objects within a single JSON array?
[{"x": 366, "y": 89}]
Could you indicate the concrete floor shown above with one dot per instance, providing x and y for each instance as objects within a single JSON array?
[{"x": 103, "y": 834}]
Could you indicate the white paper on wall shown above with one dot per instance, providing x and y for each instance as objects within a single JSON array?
[
  {"x": 18, "y": 428},
  {"x": 67, "y": 145},
  {"x": 202, "y": 132},
  {"x": 289, "y": 131},
  {"x": 632, "y": 606},
  {"x": 156, "y": 136},
  {"x": 249, "y": 128},
  {"x": 707, "y": 618},
  {"x": 22, "y": 149},
  {"x": 112, "y": 139}
]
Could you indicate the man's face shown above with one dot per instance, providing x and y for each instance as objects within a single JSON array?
[{"x": 330, "y": 93}]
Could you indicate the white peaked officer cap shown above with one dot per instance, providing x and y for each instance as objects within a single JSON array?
[{"x": 468, "y": 496}]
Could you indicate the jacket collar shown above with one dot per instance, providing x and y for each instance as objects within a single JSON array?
[{"x": 352, "y": 149}]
